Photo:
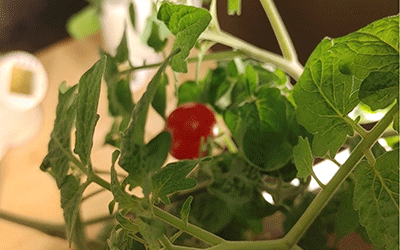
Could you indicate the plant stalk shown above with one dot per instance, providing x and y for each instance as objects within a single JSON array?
[
  {"x": 293, "y": 68},
  {"x": 297, "y": 231},
  {"x": 282, "y": 35},
  {"x": 187, "y": 227},
  {"x": 52, "y": 229}
]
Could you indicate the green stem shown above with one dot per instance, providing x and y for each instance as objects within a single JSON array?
[
  {"x": 282, "y": 35},
  {"x": 216, "y": 56},
  {"x": 187, "y": 227},
  {"x": 94, "y": 177},
  {"x": 322, "y": 185},
  {"x": 166, "y": 243},
  {"x": 324, "y": 195},
  {"x": 360, "y": 130},
  {"x": 278, "y": 244},
  {"x": 293, "y": 68},
  {"x": 370, "y": 157},
  {"x": 52, "y": 229}
]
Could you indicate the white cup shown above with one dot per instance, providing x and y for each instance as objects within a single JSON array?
[{"x": 23, "y": 85}]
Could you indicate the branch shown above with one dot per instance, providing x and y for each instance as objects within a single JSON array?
[
  {"x": 324, "y": 196},
  {"x": 282, "y": 35},
  {"x": 52, "y": 229},
  {"x": 293, "y": 68},
  {"x": 187, "y": 227}
]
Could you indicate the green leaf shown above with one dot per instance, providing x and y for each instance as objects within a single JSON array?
[
  {"x": 234, "y": 7},
  {"x": 376, "y": 197},
  {"x": 346, "y": 220},
  {"x": 154, "y": 40},
  {"x": 132, "y": 14},
  {"x": 235, "y": 187},
  {"x": 60, "y": 138},
  {"x": 264, "y": 139},
  {"x": 120, "y": 239},
  {"x": 160, "y": 98},
  {"x": 379, "y": 89},
  {"x": 133, "y": 137},
  {"x": 151, "y": 230},
  {"x": 71, "y": 195},
  {"x": 156, "y": 151},
  {"x": 122, "y": 54},
  {"x": 126, "y": 223},
  {"x": 210, "y": 213},
  {"x": 186, "y": 23},
  {"x": 84, "y": 23},
  {"x": 86, "y": 109},
  {"x": 173, "y": 178},
  {"x": 328, "y": 88},
  {"x": 189, "y": 92},
  {"x": 303, "y": 158},
  {"x": 251, "y": 79},
  {"x": 125, "y": 201},
  {"x": 185, "y": 210},
  {"x": 119, "y": 95},
  {"x": 155, "y": 33}
]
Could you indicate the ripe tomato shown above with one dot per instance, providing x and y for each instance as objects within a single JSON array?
[{"x": 187, "y": 124}]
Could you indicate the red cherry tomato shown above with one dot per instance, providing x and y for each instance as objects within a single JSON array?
[{"x": 187, "y": 124}]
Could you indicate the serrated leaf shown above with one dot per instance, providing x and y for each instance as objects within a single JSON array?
[
  {"x": 251, "y": 79},
  {"x": 119, "y": 239},
  {"x": 123, "y": 96},
  {"x": 84, "y": 23},
  {"x": 173, "y": 178},
  {"x": 346, "y": 220},
  {"x": 133, "y": 137},
  {"x": 135, "y": 131},
  {"x": 210, "y": 213},
  {"x": 126, "y": 223},
  {"x": 71, "y": 195},
  {"x": 235, "y": 187},
  {"x": 328, "y": 88},
  {"x": 234, "y": 7},
  {"x": 189, "y": 92},
  {"x": 125, "y": 201},
  {"x": 86, "y": 109},
  {"x": 303, "y": 158},
  {"x": 122, "y": 54},
  {"x": 132, "y": 15},
  {"x": 156, "y": 151},
  {"x": 154, "y": 40},
  {"x": 376, "y": 197},
  {"x": 119, "y": 96},
  {"x": 185, "y": 210},
  {"x": 151, "y": 230},
  {"x": 186, "y": 23},
  {"x": 264, "y": 140},
  {"x": 160, "y": 98},
  {"x": 155, "y": 33},
  {"x": 60, "y": 138},
  {"x": 379, "y": 89}
]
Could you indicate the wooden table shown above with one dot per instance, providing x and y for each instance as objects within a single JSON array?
[{"x": 24, "y": 188}]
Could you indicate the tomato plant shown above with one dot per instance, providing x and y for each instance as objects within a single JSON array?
[
  {"x": 188, "y": 124},
  {"x": 274, "y": 134}
]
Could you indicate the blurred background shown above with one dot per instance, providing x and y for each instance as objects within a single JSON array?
[{"x": 32, "y": 25}]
